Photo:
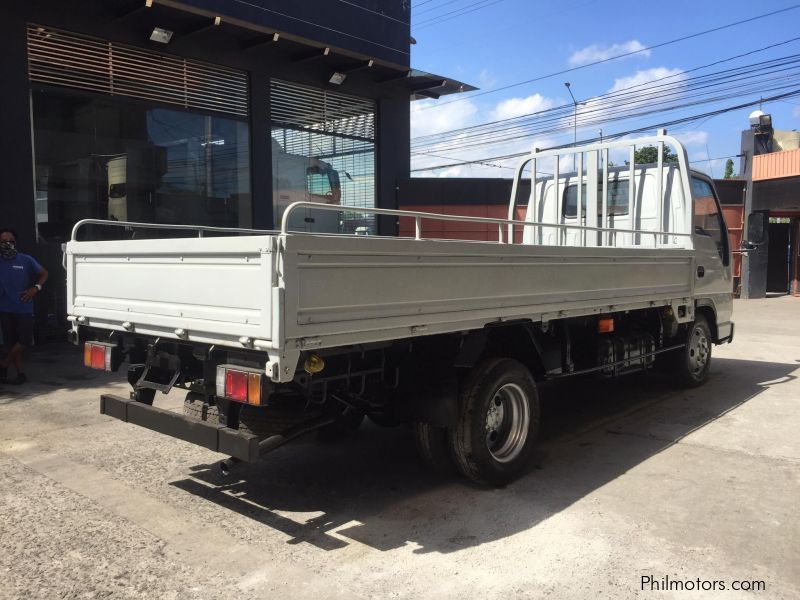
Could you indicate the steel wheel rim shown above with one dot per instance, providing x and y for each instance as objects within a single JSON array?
[
  {"x": 699, "y": 350},
  {"x": 507, "y": 422}
]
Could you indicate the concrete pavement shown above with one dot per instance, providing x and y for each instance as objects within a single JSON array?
[{"x": 633, "y": 479}]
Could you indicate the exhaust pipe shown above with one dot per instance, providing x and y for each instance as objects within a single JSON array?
[{"x": 226, "y": 465}]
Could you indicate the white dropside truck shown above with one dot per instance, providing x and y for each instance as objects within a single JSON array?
[{"x": 274, "y": 334}]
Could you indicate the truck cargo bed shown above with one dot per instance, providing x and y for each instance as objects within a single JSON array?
[{"x": 305, "y": 290}]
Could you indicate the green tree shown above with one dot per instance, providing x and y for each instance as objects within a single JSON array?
[
  {"x": 649, "y": 155},
  {"x": 729, "y": 174}
]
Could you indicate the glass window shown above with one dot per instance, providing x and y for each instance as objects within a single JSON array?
[
  {"x": 617, "y": 199},
  {"x": 707, "y": 218},
  {"x": 323, "y": 150},
  {"x": 112, "y": 159}
]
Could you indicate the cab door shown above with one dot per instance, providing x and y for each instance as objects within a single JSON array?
[{"x": 712, "y": 253}]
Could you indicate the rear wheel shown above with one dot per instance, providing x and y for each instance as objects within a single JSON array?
[
  {"x": 261, "y": 421},
  {"x": 498, "y": 422},
  {"x": 432, "y": 446},
  {"x": 194, "y": 406}
]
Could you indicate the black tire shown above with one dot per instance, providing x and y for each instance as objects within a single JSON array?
[
  {"x": 263, "y": 422},
  {"x": 194, "y": 407},
  {"x": 690, "y": 366},
  {"x": 498, "y": 422},
  {"x": 432, "y": 444}
]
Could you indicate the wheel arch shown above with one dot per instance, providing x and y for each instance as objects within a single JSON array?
[
  {"x": 706, "y": 307},
  {"x": 521, "y": 340}
]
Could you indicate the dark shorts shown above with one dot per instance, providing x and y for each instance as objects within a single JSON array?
[{"x": 17, "y": 329}]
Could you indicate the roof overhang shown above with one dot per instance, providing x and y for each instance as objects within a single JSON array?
[{"x": 255, "y": 38}]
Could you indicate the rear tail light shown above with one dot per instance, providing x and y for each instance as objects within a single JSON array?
[
  {"x": 100, "y": 355},
  {"x": 241, "y": 384}
]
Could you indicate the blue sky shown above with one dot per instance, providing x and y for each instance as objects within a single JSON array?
[{"x": 515, "y": 40}]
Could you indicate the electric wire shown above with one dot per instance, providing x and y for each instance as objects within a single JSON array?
[
  {"x": 617, "y": 114},
  {"x": 320, "y": 26},
  {"x": 437, "y": 7},
  {"x": 613, "y": 105},
  {"x": 456, "y": 13},
  {"x": 374, "y": 12},
  {"x": 615, "y": 93},
  {"x": 609, "y": 136},
  {"x": 618, "y": 56}
]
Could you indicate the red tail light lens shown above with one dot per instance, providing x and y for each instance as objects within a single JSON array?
[
  {"x": 100, "y": 355},
  {"x": 236, "y": 385},
  {"x": 241, "y": 384}
]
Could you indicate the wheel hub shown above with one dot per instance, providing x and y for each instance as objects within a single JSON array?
[
  {"x": 698, "y": 351},
  {"x": 507, "y": 422}
]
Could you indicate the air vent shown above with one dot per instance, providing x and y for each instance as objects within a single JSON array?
[
  {"x": 65, "y": 59},
  {"x": 303, "y": 107}
]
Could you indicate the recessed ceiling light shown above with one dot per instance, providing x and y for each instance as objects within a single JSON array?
[{"x": 160, "y": 35}]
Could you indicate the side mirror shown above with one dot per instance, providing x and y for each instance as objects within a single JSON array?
[{"x": 756, "y": 228}]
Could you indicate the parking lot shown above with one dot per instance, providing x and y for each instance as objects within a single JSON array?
[{"x": 633, "y": 479}]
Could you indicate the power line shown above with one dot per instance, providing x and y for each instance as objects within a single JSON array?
[
  {"x": 456, "y": 13},
  {"x": 766, "y": 72},
  {"x": 606, "y": 137},
  {"x": 374, "y": 12},
  {"x": 437, "y": 7},
  {"x": 318, "y": 25},
  {"x": 618, "y": 56},
  {"x": 615, "y": 93}
]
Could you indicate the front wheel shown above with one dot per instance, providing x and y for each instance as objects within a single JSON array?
[
  {"x": 691, "y": 364},
  {"x": 498, "y": 422}
]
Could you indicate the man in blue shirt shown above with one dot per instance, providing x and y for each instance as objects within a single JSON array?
[{"x": 18, "y": 272}]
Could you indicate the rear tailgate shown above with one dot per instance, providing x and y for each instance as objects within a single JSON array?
[{"x": 215, "y": 289}]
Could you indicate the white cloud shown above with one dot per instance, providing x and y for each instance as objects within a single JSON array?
[
  {"x": 646, "y": 76},
  {"x": 796, "y": 112},
  {"x": 597, "y": 52},
  {"x": 692, "y": 138},
  {"x": 427, "y": 118},
  {"x": 426, "y": 121},
  {"x": 486, "y": 80},
  {"x": 515, "y": 107}
]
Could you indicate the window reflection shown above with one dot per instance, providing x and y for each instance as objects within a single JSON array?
[
  {"x": 707, "y": 218},
  {"x": 110, "y": 159},
  {"x": 617, "y": 198}
]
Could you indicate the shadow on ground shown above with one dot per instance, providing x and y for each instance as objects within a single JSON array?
[
  {"x": 371, "y": 488},
  {"x": 56, "y": 367}
]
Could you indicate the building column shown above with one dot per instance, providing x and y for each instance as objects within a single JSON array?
[
  {"x": 260, "y": 151},
  {"x": 393, "y": 156},
  {"x": 17, "y": 208}
]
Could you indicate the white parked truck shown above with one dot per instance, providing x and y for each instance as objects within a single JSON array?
[{"x": 276, "y": 333}]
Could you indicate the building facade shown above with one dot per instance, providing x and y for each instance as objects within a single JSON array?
[
  {"x": 207, "y": 112},
  {"x": 771, "y": 166}
]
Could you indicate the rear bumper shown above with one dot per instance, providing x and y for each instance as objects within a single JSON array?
[{"x": 243, "y": 446}]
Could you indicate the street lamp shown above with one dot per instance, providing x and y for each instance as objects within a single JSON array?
[{"x": 575, "y": 123}]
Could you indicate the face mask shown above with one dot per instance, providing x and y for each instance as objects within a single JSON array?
[{"x": 8, "y": 250}]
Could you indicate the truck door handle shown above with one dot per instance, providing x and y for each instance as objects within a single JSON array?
[{"x": 701, "y": 271}]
